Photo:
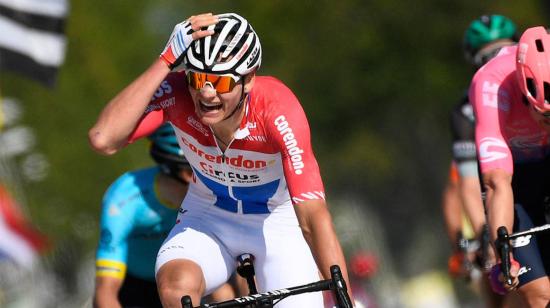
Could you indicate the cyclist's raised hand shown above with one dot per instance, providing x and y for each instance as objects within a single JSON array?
[{"x": 183, "y": 34}]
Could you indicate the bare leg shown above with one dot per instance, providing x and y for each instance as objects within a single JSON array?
[{"x": 177, "y": 278}]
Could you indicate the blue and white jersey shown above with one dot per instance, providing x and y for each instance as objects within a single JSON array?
[{"x": 134, "y": 223}]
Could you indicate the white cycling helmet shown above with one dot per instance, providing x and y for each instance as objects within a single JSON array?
[{"x": 234, "y": 48}]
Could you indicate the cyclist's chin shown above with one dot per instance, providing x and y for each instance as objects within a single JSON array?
[{"x": 210, "y": 117}]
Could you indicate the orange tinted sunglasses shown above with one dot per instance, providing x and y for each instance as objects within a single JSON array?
[{"x": 222, "y": 83}]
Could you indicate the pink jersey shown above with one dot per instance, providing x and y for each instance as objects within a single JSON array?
[
  {"x": 269, "y": 163},
  {"x": 505, "y": 131}
]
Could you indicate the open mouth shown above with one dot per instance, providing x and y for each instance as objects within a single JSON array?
[{"x": 206, "y": 107}]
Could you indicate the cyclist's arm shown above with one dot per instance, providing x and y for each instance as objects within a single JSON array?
[
  {"x": 500, "y": 202},
  {"x": 452, "y": 211},
  {"x": 112, "y": 252},
  {"x": 121, "y": 115},
  {"x": 316, "y": 224},
  {"x": 464, "y": 154},
  {"x": 106, "y": 292},
  {"x": 489, "y": 100},
  {"x": 470, "y": 192}
]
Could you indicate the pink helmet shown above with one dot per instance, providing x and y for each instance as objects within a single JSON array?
[{"x": 533, "y": 67}]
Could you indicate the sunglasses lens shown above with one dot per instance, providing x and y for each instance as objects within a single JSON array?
[{"x": 222, "y": 84}]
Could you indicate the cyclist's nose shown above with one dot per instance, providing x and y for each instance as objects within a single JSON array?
[{"x": 208, "y": 91}]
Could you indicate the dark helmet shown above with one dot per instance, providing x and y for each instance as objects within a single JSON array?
[
  {"x": 484, "y": 30},
  {"x": 166, "y": 152},
  {"x": 234, "y": 48}
]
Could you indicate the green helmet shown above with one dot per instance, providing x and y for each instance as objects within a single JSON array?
[{"x": 486, "y": 29}]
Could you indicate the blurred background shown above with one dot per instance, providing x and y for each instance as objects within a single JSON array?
[{"x": 377, "y": 80}]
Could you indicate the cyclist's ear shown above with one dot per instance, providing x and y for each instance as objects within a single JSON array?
[{"x": 249, "y": 81}]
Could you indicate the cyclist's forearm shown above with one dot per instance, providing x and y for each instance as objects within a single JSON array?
[
  {"x": 102, "y": 301},
  {"x": 321, "y": 237},
  {"x": 121, "y": 115},
  {"x": 106, "y": 292},
  {"x": 473, "y": 205},
  {"x": 500, "y": 204},
  {"x": 452, "y": 209}
]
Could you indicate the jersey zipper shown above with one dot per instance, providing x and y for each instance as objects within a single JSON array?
[{"x": 226, "y": 171}]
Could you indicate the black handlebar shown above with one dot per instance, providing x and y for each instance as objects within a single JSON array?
[
  {"x": 267, "y": 299},
  {"x": 503, "y": 246},
  {"x": 339, "y": 287}
]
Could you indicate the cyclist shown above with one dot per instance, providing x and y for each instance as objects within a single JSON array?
[
  {"x": 138, "y": 211},
  {"x": 510, "y": 98},
  {"x": 257, "y": 187},
  {"x": 462, "y": 203}
]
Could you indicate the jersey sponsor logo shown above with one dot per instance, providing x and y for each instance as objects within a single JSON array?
[
  {"x": 494, "y": 97},
  {"x": 312, "y": 195},
  {"x": 237, "y": 161},
  {"x": 291, "y": 144},
  {"x": 486, "y": 155},
  {"x": 464, "y": 149},
  {"x": 164, "y": 88},
  {"x": 197, "y": 125},
  {"x": 523, "y": 270},
  {"x": 161, "y": 105},
  {"x": 232, "y": 176},
  {"x": 251, "y": 199},
  {"x": 521, "y": 241}
]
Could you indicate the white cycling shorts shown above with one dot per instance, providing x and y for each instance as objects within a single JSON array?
[{"x": 214, "y": 238}]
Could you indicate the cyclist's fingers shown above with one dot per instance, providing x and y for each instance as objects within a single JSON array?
[
  {"x": 203, "y": 20},
  {"x": 193, "y": 17},
  {"x": 514, "y": 269}
]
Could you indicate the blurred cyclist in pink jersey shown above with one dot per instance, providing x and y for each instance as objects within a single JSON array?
[
  {"x": 511, "y": 99},
  {"x": 256, "y": 187},
  {"x": 462, "y": 202}
]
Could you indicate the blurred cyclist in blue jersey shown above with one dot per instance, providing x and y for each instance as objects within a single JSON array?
[{"x": 138, "y": 211}]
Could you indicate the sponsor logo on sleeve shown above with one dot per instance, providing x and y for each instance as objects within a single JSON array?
[
  {"x": 161, "y": 105},
  {"x": 164, "y": 88},
  {"x": 291, "y": 144},
  {"x": 494, "y": 97}
]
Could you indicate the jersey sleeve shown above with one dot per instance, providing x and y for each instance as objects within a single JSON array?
[
  {"x": 289, "y": 128},
  {"x": 115, "y": 225},
  {"x": 157, "y": 112},
  {"x": 463, "y": 138},
  {"x": 490, "y": 103}
]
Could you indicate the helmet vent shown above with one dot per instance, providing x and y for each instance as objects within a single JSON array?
[
  {"x": 540, "y": 47},
  {"x": 531, "y": 87}
]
